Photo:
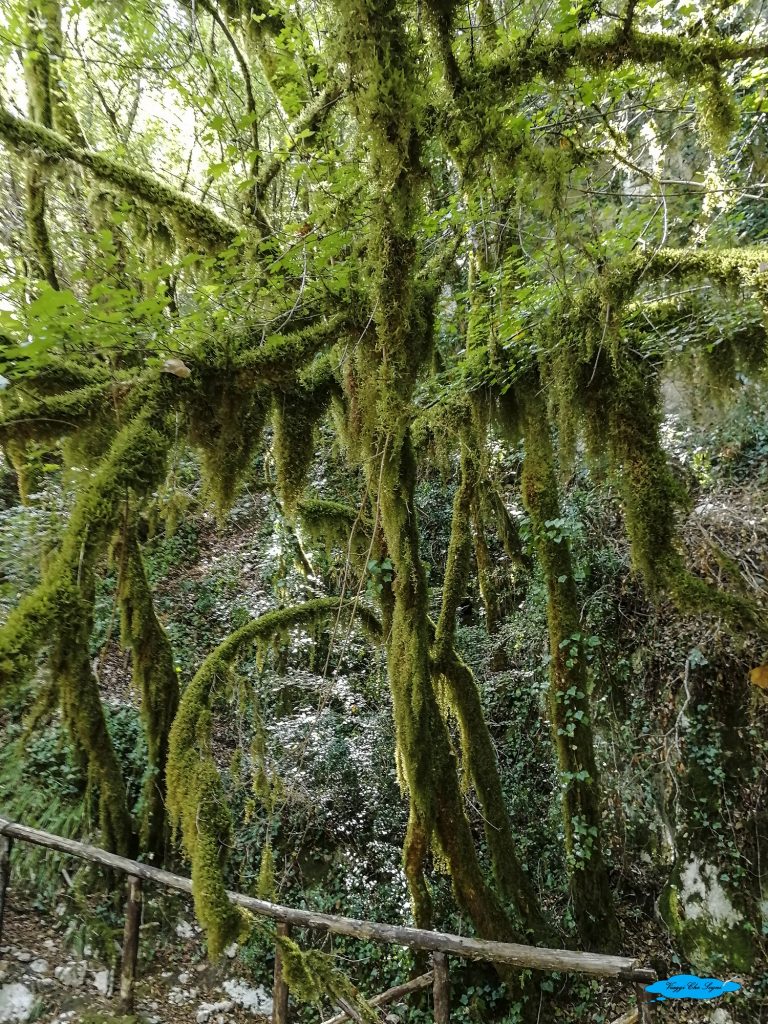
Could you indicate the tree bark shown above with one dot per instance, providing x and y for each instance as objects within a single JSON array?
[{"x": 568, "y": 698}]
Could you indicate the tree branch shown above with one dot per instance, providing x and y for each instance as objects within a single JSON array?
[
  {"x": 191, "y": 220},
  {"x": 551, "y": 56},
  {"x": 310, "y": 119},
  {"x": 282, "y": 355}
]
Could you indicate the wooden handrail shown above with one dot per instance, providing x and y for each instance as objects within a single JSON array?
[
  {"x": 392, "y": 995},
  {"x": 512, "y": 953},
  {"x": 438, "y": 943}
]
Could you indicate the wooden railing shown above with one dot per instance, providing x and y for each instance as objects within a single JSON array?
[{"x": 439, "y": 944}]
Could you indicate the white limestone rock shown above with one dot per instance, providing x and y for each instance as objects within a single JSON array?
[
  {"x": 184, "y": 930},
  {"x": 257, "y": 1000},
  {"x": 207, "y": 1010},
  {"x": 102, "y": 982},
  {"x": 179, "y": 996},
  {"x": 720, "y": 1016},
  {"x": 72, "y": 975},
  {"x": 17, "y": 1003}
]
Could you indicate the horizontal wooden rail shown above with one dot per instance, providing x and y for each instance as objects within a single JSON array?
[
  {"x": 510, "y": 953},
  {"x": 392, "y": 995}
]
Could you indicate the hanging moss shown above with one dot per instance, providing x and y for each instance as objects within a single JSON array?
[
  {"x": 154, "y": 676},
  {"x": 197, "y": 802},
  {"x": 136, "y": 461},
  {"x": 226, "y": 423},
  {"x": 296, "y": 414},
  {"x": 592, "y": 359},
  {"x": 624, "y": 406},
  {"x": 27, "y": 475},
  {"x": 265, "y": 885},
  {"x": 718, "y": 113},
  {"x": 312, "y": 976}
]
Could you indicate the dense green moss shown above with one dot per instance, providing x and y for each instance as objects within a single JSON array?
[
  {"x": 82, "y": 710},
  {"x": 281, "y": 357},
  {"x": 193, "y": 222},
  {"x": 296, "y": 413},
  {"x": 683, "y": 57},
  {"x": 154, "y": 676},
  {"x": 312, "y": 976},
  {"x": 226, "y": 423},
  {"x": 333, "y": 524},
  {"x": 60, "y": 609},
  {"x": 136, "y": 461},
  {"x": 48, "y": 417}
]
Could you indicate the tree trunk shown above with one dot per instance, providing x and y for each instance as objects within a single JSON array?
[
  {"x": 568, "y": 697},
  {"x": 711, "y": 903},
  {"x": 428, "y": 764}
]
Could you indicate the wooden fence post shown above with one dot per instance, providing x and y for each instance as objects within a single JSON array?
[
  {"x": 6, "y": 844},
  {"x": 644, "y": 1005},
  {"x": 441, "y": 988},
  {"x": 130, "y": 944},
  {"x": 280, "y": 992}
]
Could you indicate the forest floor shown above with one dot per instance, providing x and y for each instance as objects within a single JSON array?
[{"x": 42, "y": 979}]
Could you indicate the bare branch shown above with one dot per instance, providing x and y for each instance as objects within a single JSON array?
[{"x": 310, "y": 119}]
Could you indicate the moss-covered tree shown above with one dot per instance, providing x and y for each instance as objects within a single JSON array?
[{"x": 387, "y": 213}]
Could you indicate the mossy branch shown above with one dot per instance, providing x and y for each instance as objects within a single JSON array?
[
  {"x": 154, "y": 676},
  {"x": 458, "y": 559},
  {"x": 197, "y": 803},
  {"x": 192, "y": 221},
  {"x": 333, "y": 523},
  {"x": 552, "y": 56},
  {"x": 464, "y": 700},
  {"x": 83, "y": 712},
  {"x": 492, "y": 502},
  {"x": 136, "y": 461},
  {"x": 37, "y": 228},
  {"x": 482, "y": 767},
  {"x": 44, "y": 418},
  {"x": 283, "y": 354},
  {"x": 568, "y": 693}
]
